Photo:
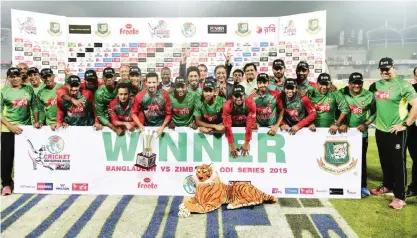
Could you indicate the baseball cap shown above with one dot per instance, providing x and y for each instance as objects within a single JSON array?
[
  {"x": 90, "y": 75},
  {"x": 278, "y": 63},
  {"x": 74, "y": 80},
  {"x": 385, "y": 63},
  {"x": 13, "y": 71},
  {"x": 324, "y": 78},
  {"x": 134, "y": 70},
  {"x": 238, "y": 90},
  {"x": 46, "y": 72},
  {"x": 33, "y": 70},
  {"x": 290, "y": 83},
  {"x": 209, "y": 84},
  {"x": 302, "y": 65},
  {"x": 180, "y": 80},
  {"x": 262, "y": 77},
  {"x": 109, "y": 73},
  {"x": 356, "y": 77}
]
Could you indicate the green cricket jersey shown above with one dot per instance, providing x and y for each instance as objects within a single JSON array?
[
  {"x": 198, "y": 90},
  {"x": 47, "y": 104},
  {"x": 156, "y": 108},
  {"x": 210, "y": 113},
  {"x": 182, "y": 111},
  {"x": 102, "y": 99},
  {"x": 391, "y": 98},
  {"x": 16, "y": 105},
  {"x": 267, "y": 107},
  {"x": 326, "y": 106},
  {"x": 362, "y": 108},
  {"x": 77, "y": 116},
  {"x": 276, "y": 86}
]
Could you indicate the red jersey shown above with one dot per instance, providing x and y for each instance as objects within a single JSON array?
[
  {"x": 77, "y": 116},
  {"x": 153, "y": 110},
  {"x": 84, "y": 86},
  {"x": 118, "y": 113},
  {"x": 244, "y": 115}
]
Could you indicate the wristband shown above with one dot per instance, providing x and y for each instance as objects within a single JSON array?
[
  {"x": 336, "y": 124},
  {"x": 405, "y": 124}
]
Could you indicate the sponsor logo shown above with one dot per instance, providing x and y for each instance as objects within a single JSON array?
[
  {"x": 217, "y": 29},
  {"x": 188, "y": 29},
  {"x": 306, "y": 191},
  {"x": 79, "y": 29},
  {"x": 27, "y": 25},
  {"x": 62, "y": 187},
  {"x": 160, "y": 30},
  {"x": 80, "y": 187},
  {"x": 382, "y": 95},
  {"x": 129, "y": 30},
  {"x": 243, "y": 29},
  {"x": 266, "y": 30},
  {"x": 291, "y": 190},
  {"x": 336, "y": 191},
  {"x": 103, "y": 29},
  {"x": 24, "y": 186},
  {"x": 50, "y": 156},
  {"x": 189, "y": 184},
  {"x": 45, "y": 186},
  {"x": 276, "y": 191},
  {"x": 313, "y": 26},
  {"x": 350, "y": 192},
  {"x": 322, "y": 191},
  {"x": 147, "y": 183},
  {"x": 337, "y": 159},
  {"x": 54, "y": 28},
  {"x": 289, "y": 29}
]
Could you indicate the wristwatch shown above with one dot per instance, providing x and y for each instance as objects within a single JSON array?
[
  {"x": 405, "y": 124},
  {"x": 336, "y": 124}
]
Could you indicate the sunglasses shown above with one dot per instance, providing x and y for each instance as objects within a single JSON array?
[
  {"x": 384, "y": 70},
  {"x": 237, "y": 95},
  {"x": 290, "y": 87}
]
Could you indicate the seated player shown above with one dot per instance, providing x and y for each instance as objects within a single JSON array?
[
  {"x": 239, "y": 111},
  {"x": 152, "y": 106},
  {"x": 326, "y": 103},
  {"x": 208, "y": 110},
  {"x": 120, "y": 109},
  {"x": 269, "y": 108},
  {"x": 135, "y": 79},
  {"x": 70, "y": 115},
  {"x": 183, "y": 103},
  {"x": 47, "y": 98},
  {"x": 299, "y": 111}
]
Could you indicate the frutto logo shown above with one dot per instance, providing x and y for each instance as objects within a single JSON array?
[
  {"x": 129, "y": 30},
  {"x": 45, "y": 186},
  {"x": 291, "y": 190},
  {"x": 80, "y": 187},
  {"x": 147, "y": 184},
  {"x": 217, "y": 29},
  {"x": 50, "y": 155}
]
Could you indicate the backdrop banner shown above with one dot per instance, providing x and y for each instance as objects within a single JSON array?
[{"x": 79, "y": 160}]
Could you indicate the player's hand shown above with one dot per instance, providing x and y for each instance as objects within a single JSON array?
[
  {"x": 169, "y": 90},
  {"x": 312, "y": 127},
  {"x": 361, "y": 127},
  {"x": 294, "y": 129},
  {"x": 171, "y": 125},
  {"x": 77, "y": 103},
  {"x": 245, "y": 149},
  {"x": 119, "y": 131},
  {"x": 302, "y": 92},
  {"x": 193, "y": 126},
  {"x": 159, "y": 132},
  {"x": 253, "y": 92},
  {"x": 141, "y": 129},
  {"x": 37, "y": 125},
  {"x": 273, "y": 130},
  {"x": 285, "y": 127},
  {"x": 219, "y": 127},
  {"x": 54, "y": 126},
  {"x": 397, "y": 128},
  {"x": 67, "y": 71},
  {"x": 185, "y": 55},
  {"x": 130, "y": 127},
  {"x": 343, "y": 128},
  {"x": 256, "y": 126},
  {"x": 233, "y": 150},
  {"x": 15, "y": 129},
  {"x": 333, "y": 129},
  {"x": 98, "y": 127},
  {"x": 205, "y": 130},
  {"x": 332, "y": 88},
  {"x": 64, "y": 125}
]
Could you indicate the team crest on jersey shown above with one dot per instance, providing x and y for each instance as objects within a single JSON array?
[
  {"x": 337, "y": 159},
  {"x": 363, "y": 103},
  {"x": 297, "y": 105},
  {"x": 390, "y": 88}
]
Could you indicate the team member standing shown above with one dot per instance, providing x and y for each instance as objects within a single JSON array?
[
  {"x": 124, "y": 74},
  {"x": 135, "y": 79},
  {"x": 299, "y": 111},
  {"x": 91, "y": 81},
  {"x": 208, "y": 110},
  {"x": 269, "y": 107},
  {"x": 412, "y": 149},
  {"x": 224, "y": 89},
  {"x": 391, "y": 95},
  {"x": 193, "y": 75},
  {"x": 326, "y": 103},
  {"x": 250, "y": 84},
  {"x": 278, "y": 68},
  {"x": 23, "y": 67},
  {"x": 238, "y": 76},
  {"x": 166, "y": 83},
  {"x": 35, "y": 79},
  {"x": 152, "y": 106},
  {"x": 239, "y": 111},
  {"x": 47, "y": 98},
  {"x": 120, "y": 109},
  {"x": 17, "y": 101},
  {"x": 362, "y": 113},
  {"x": 302, "y": 72},
  {"x": 183, "y": 103}
]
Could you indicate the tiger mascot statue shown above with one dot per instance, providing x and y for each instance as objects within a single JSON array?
[{"x": 211, "y": 193}]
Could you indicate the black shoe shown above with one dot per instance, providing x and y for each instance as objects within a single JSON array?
[{"x": 410, "y": 193}]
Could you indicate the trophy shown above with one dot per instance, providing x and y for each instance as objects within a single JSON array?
[{"x": 147, "y": 159}]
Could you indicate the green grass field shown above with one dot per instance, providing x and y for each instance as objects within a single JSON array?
[{"x": 371, "y": 217}]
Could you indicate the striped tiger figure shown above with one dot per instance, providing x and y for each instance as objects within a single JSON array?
[{"x": 211, "y": 193}]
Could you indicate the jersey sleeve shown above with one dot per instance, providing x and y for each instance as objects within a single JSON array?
[
  {"x": 168, "y": 107},
  {"x": 227, "y": 121},
  {"x": 341, "y": 103},
  {"x": 311, "y": 113},
  {"x": 112, "y": 113},
  {"x": 101, "y": 109},
  {"x": 408, "y": 91},
  {"x": 372, "y": 109},
  {"x": 61, "y": 91},
  {"x": 197, "y": 109},
  {"x": 60, "y": 110},
  {"x": 250, "y": 119}
]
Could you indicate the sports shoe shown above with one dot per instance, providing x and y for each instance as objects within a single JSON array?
[
  {"x": 365, "y": 192},
  {"x": 397, "y": 203},
  {"x": 380, "y": 190},
  {"x": 7, "y": 190},
  {"x": 410, "y": 193}
]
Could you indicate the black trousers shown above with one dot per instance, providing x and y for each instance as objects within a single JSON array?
[
  {"x": 412, "y": 149},
  {"x": 392, "y": 155},
  {"x": 7, "y": 158},
  {"x": 364, "y": 151}
]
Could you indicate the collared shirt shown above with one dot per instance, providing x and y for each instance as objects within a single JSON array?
[{"x": 249, "y": 86}]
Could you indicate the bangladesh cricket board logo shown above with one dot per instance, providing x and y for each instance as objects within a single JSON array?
[
  {"x": 49, "y": 155},
  {"x": 337, "y": 159},
  {"x": 189, "y": 184},
  {"x": 313, "y": 26},
  {"x": 54, "y": 28},
  {"x": 103, "y": 29},
  {"x": 188, "y": 29},
  {"x": 243, "y": 29}
]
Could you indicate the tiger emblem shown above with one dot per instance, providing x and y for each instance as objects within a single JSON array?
[
  {"x": 211, "y": 193},
  {"x": 340, "y": 151}
]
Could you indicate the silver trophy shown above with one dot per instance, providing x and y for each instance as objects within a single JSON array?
[{"x": 147, "y": 159}]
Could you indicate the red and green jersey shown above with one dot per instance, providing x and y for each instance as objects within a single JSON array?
[
  {"x": 102, "y": 99},
  {"x": 182, "y": 111},
  {"x": 156, "y": 108},
  {"x": 16, "y": 105},
  {"x": 274, "y": 85},
  {"x": 392, "y": 97},
  {"x": 211, "y": 114},
  {"x": 326, "y": 106},
  {"x": 307, "y": 85},
  {"x": 239, "y": 116},
  {"x": 299, "y": 111},
  {"x": 362, "y": 108},
  {"x": 47, "y": 104},
  {"x": 119, "y": 112},
  {"x": 77, "y": 116},
  {"x": 267, "y": 107}
]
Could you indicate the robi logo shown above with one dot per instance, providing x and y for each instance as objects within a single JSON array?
[
  {"x": 147, "y": 184},
  {"x": 129, "y": 30}
]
